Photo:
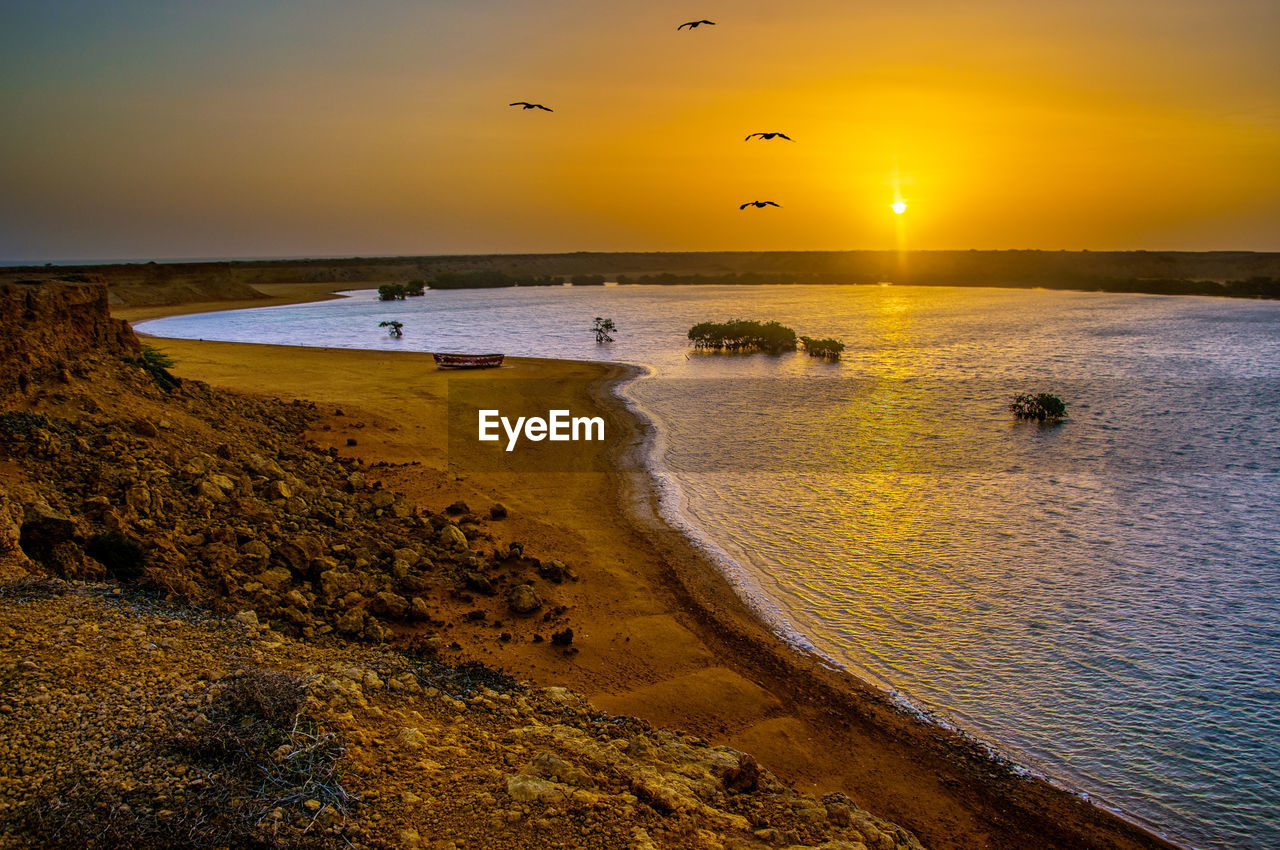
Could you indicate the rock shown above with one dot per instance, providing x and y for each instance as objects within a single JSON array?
[
  {"x": 351, "y": 623},
  {"x": 744, "y": 777},
  {"x": 402, "y": 508},
  {"x": 296, "y": 599},
  {"x": 277, "y": 490},
  {"x": 418, "y": 609},
  {"x": 451, "y": 537},
  {"x": 248, "y": 619},
  {"x": 554, "y": 571},
  {"x": 275, "y": 579},
  {"x": 145, "y": 428},
  {"x": 562, "y": 638},
  {"x": 497, "y": 511},
  {"x": 524, "y": 788},
  {"x": 139, "y": 498},
  {"x": 336, "y": 583},
  {"x": 479, "y": 582},
  {"x": 409, "y": 556},
  {"x": 390, "y": 605},
  {"x": 383, "y": 499},
  {"x": 355, "y": 482},
  {"x": 43, "y": 530},
  {"x": 210, "y": 491},
  {"x": 223, "y": 482},
  {"x": 458, "y": 507},
  {"x": 259, "y": 465},
  {"x": 255, "y": 549},
  {"x": 522, "y": 599},
  {"x": 548, "y": 765},
  {"x": 410, "y": 738}
]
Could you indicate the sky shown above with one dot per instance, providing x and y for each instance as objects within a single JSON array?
[{"x": 141, "y": 129}]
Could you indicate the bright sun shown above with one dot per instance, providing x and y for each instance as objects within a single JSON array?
[{"x": 899, "y": 207}]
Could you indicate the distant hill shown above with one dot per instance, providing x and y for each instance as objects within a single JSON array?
[{"x": 1236, "y": 273}]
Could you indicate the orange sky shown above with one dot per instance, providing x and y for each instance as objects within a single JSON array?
[{"x": 164, "y": 129}]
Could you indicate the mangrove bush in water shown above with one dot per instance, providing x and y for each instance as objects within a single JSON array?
[
  {"x": 392, "y": 292},
  {"x": 603, "y": 328},
  {"x": 1043, "y": 407},
  {"x": 394, "y": 328},
  {"x": 828, "y": 349},
  {"x": 743, "y": 335}
]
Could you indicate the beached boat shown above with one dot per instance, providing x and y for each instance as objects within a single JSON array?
[{"x": 467, "y": 361}]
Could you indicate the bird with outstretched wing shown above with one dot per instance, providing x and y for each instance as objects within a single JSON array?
[
  {"x": 693, "y": 25},
  {"x": 759, "y": 204},
  {"x": 769, "y": 136},
  {"x": 527, "y": 105}
]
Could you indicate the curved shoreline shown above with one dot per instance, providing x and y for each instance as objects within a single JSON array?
[
  {"x": 945, "y": 787},
  {"x": 1047, "y": 814}
]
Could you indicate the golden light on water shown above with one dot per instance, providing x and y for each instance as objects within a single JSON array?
[{"x": 899, "y": 206}]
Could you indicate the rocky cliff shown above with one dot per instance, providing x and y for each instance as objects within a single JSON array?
[{"x": 50, "y": 327}]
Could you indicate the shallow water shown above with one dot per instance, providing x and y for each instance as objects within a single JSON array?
[{"x": 1099, "y": 600}]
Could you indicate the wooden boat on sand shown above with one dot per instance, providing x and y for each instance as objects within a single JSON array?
[{"x": 467, "y": 361}]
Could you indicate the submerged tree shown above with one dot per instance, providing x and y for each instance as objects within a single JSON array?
[
  {"x": 743, "y": 335},
  {"x": 396, "y": 329},
  {"x": 392, "y": 292},
  {"x": 828, "y": 349},
  {"x": 1043, "y": 407},
  {"x": 602, "y": 328}
]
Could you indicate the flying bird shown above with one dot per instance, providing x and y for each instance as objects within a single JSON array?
[
  {"x": 769, "y": 136},
  {"x": 527, "y": 105},
  {"x": 693, "y": 25},
  {"x": 759, "y": 204}
]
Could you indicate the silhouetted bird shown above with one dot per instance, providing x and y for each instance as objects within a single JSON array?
[
  {"x": 527, "y": 105},
  {"x": 693, "y": 25},
  {"x": 759, "y": 204},
  {"x": 769, "y": 136}
]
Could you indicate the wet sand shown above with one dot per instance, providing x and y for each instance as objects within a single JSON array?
[{"x": 659, "y": 634}]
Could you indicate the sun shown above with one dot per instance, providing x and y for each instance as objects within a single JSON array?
[{"x": 899, "y": 207}]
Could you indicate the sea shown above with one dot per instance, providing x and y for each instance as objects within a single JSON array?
[{"x": 1096, "y": 600}]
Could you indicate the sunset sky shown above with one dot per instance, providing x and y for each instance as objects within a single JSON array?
[{"x": 138, "y": 130}]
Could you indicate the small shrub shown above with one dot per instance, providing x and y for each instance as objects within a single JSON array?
[
  {"x": 1043, "y": 407},
  {"x": 415, "y": 288},
  {"x": 156, "y": 364},
  {"x": 828, "y": 349},
  {"x": 392, "y": 292}
]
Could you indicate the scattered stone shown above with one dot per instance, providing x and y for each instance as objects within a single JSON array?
[
  {"x": 451, "y": 537},
  {"x": 522, "y": 599},
  {"x": 145, "y": 428}
]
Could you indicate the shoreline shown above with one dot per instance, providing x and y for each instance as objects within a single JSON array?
[
  {"x": 942, "y": 785},
  {"x": 711, "y": 594}
]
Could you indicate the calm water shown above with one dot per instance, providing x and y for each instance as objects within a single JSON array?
[{"x": 1098, "y": 600}]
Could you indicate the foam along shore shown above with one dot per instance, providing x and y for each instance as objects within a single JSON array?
[{"x": 660, "y": 634}]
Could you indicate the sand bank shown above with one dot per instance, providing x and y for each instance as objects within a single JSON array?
[{"x": 659, "y": 634}]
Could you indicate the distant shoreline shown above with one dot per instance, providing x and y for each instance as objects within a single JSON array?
[{"x": 1216, "y": 273}]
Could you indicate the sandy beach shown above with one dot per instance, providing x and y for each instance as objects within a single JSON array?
[{"x": 659, "y": 634}]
